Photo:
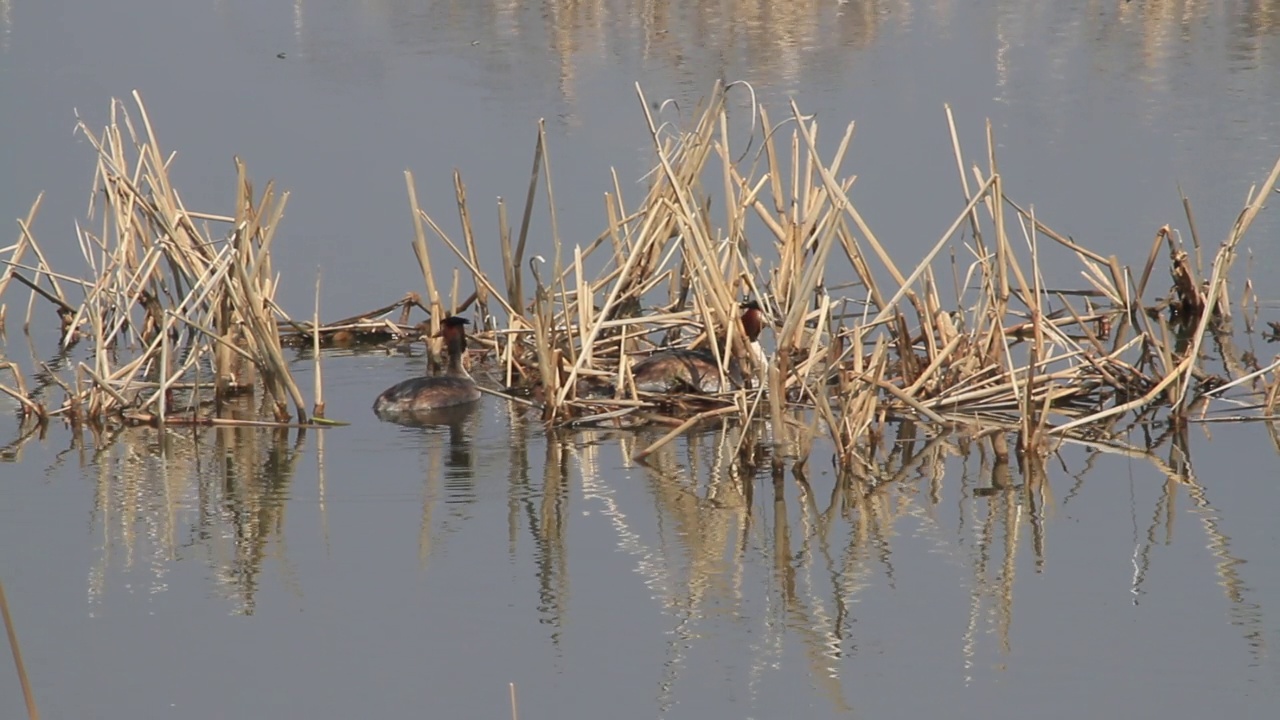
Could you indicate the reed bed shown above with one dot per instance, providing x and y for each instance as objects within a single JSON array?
[
  {"x": 1004, "y": 355},
  {"x": 181, "y": 318}
]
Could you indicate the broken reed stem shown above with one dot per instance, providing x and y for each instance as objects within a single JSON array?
[
  {"x": 464, "y": 219},
  {"x": 28, "y": 695},
  {"x": 683, "y": 427},
  {"x": 318, "y": 409}
]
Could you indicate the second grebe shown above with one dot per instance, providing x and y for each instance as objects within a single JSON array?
[
  {"x": 676, "y": 370},
  {"x": 452, "y": 389}
]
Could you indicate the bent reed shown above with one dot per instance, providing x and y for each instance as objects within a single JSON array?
[{"x": 1003, "y": 353}]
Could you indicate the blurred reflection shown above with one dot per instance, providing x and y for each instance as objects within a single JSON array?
[
  {"x": 703, "y": 492},
  {"x": 1168, "y": 45},
  {"x": 542, "y": 508},
  {"x": 451, "y": 470},
  {"x": 826, "y": 542},
  {"x": 216, "y": 492},
  {"x": 223, "y": 492},
  {"x": 732, "y": 533},
  {"x": 779, "y": 45},
  {"x": 6, "y": 23}
]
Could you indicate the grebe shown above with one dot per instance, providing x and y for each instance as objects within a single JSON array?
[
  {"x": 452, "y": 389},
  {"x": 683, "y": 370}
]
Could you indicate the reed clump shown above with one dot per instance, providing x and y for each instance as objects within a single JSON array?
[
  {"x": 1003, "y": 354},
  {"x": 181, "y": 318},
  {"x": 857, "y": 340}
]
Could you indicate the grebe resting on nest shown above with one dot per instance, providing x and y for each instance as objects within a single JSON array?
[
  {"x": 454, "y": 388},
  {"x": 696, "y": 370}
]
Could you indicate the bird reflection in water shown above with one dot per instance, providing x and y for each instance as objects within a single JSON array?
[
  {"x": 455, "y": 463},
  {"x": 459, "y": 461}
]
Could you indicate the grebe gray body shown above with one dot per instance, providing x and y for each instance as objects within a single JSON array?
[
  {"x": 696, "y": 370},
  {"x": 422, "y": 394}
]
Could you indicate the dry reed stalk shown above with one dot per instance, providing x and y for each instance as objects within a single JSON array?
[
  {"x": 154, "y": 271},
  {"x": 468, "y": 236},
  {"x": 1272, "y": 394},
  {"x": 163, "y": 394},
  {"x": 20, "y": 247},
  {"x": 683, "y": 427},
  {"x": 482, "y": 283},
  {"x": 509, "y": 265},
  {"x": 317, "y": 410},
  {"x": 265, "y": 338},
  {"x": 423, "y": 254},
  {"x": 19, "y": 392},
  {"x": 1220, "y": 268},
  {"x": 547, "y": 357},
  {"x": 27, "y": 694},
  {"x": 525, "y": 220}
]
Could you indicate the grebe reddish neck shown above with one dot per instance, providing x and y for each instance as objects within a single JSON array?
[{"x": 752, "y": 320}]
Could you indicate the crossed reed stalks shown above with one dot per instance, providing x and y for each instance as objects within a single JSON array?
[
  {"x": 176, "y": 313},
  {"x": 1003, "y": 351}
]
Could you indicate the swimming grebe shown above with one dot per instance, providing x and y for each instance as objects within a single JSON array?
[
  {"x": 452, "y": 389},
  {"x": 696, "y": 370}
]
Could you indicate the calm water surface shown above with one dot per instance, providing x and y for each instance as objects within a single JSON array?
[{"x": 380, "y": 571}]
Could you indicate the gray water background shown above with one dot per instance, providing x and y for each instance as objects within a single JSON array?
[{"x": 410, "y": 573}]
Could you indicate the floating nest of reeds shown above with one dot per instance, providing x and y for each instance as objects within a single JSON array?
[{"x": 181, "y": 317}]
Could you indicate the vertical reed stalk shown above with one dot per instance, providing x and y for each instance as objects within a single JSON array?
[
  {"x": 164, "y": 369},
  {"x": 424, "y": 256},
  {"x": 317, "y": 409},
  {"x": 525, "y": 220},
  {"x": 32, "y": 712}
]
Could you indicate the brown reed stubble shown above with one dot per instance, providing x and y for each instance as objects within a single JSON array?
[
  {"x": 1015, "y": 349},
  {"x": 166, "y": 295},
  {"x": 1012, "y": 350}
]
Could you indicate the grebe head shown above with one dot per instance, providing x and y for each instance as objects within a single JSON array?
[
  {"x": 752, "y": 320},
  {"x": 453, "y": 330}
]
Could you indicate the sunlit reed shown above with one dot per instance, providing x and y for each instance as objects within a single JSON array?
[
  {"x": 1050, "y": 364},
  {"x": 166, "y": 299}
]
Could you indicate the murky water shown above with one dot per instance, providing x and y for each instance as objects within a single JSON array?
[{"x": 374, "y": 570}]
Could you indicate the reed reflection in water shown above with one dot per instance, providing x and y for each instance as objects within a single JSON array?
[
  {"x": 779, "y": 45},
  {"x": 216, "y": 493},
  {"x": 732, "y": 543}
]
